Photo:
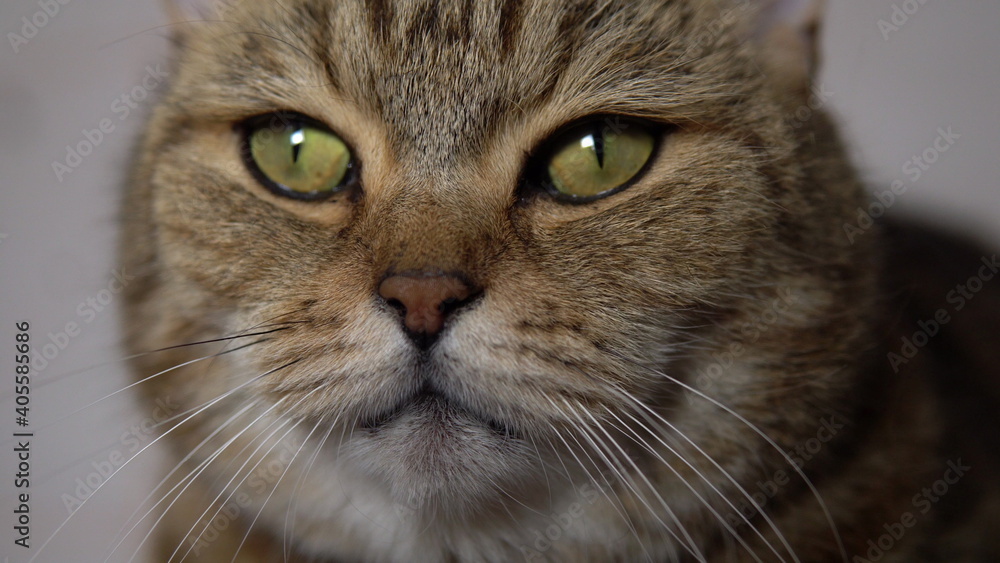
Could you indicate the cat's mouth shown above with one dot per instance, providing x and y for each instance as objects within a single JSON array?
[{"x": 432, "y": 407}]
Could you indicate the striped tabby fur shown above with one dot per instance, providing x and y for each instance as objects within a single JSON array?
[{"x": 635, "y": 373}]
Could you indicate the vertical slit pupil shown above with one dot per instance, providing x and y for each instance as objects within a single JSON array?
[
  {"x": 598, "y": 136},
  {"x": 297, "y": 138}
]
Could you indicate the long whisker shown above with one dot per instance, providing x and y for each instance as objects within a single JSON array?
[
  {"x": 208, "y": 522},
  {"x": 690, "y": 544},
  {"x": 288, "y": 413},
  {"x": 619, "y": 472},
  {"x": 646, "y": 411},
  {"x": 198, "y": 407},
  {"x": 637, "y": 438},
  {"x": 147, "y": 446},
  {"x": 293, "y": 500},
  {"x": 273, "y": 489},
  {"x": 145, "y": 379},
  {"x": 242, "y": 334},
  {"x": 177, "y": 467},
  {"x": 642, "y": 410},
  {"x": 812, "y": 488},
  {"x": 542, "y": 464},
  {"x": 280, "y": 421},
  {"x": 193, "y": 475},
  {"x": 615, "y": 503}
]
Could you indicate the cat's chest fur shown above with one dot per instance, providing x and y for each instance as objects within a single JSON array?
[{"x": 526, "y": 280}]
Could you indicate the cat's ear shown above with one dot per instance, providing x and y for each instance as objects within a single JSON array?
[
  {"x": 185, "y": 14},
  {"x": 181, "y": 11},
  {"x": 788, "y": 34}
]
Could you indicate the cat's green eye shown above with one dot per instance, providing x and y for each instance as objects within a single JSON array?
[
  {"x": 297, "y": 158},
  {"x": 597, "y": 158}
]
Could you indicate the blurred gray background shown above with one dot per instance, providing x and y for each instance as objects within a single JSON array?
[{"x": 891, "y": 88}]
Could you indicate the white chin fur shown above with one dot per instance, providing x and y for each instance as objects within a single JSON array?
[{"x": 440, "y": 462}]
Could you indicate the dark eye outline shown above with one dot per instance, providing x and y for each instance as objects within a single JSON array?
[
  {"x": 535, "y": 177},
  {"x": 277, "y": 121}
]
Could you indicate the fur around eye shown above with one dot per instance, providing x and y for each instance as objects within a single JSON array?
[{"x": 296, "y": 157}]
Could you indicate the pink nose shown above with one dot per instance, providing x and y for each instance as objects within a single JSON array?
[{"x": 426, "y": 300}]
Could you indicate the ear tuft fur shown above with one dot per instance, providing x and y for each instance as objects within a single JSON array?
[
  {"x": 193, "y": 10},
  {"x": 788, "y": 33},
  {"x": 799, "y": 15}
]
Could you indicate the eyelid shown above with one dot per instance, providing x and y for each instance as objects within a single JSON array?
[
  {"x": 280, "y": 121},
  {"x": 535, "y": 176}
]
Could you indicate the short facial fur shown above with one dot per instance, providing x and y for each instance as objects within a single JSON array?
[{"x": 585, "y": 360}]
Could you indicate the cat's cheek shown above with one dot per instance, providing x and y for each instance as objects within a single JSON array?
[{"x": 692, "y": 215}]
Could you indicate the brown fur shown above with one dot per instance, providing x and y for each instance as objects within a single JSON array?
[{"x": 578, "y": 365}]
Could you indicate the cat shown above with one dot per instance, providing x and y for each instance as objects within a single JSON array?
[{"x": 561, "y": 280}]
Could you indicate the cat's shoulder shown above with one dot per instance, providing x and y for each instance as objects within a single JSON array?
[{"x": 942, "y": 293}]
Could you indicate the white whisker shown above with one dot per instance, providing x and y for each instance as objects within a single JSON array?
[
  {"x": 273, "y": 489},
  {"x": 646, "y": 411},
  {"x": 690, "y": 545},
  {"x": 146, "y": 447},
  {"x": 176, "y": 467},
  {"x": 636, "y": 437},
  {"x": 815, "y": 492}
]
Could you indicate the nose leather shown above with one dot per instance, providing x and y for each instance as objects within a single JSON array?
[{"x": 426, "y": 300}]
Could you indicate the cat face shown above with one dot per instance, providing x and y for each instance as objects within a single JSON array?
[{"x": 442, "y": 302}]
